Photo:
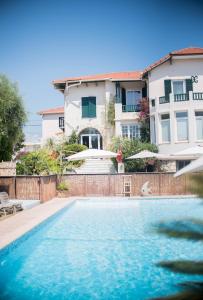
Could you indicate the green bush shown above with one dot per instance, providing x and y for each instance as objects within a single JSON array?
[
  {"x": 38, "y": 162},
  {"x": 130, "y": 147},
  {"x": 62, "y": 186}
]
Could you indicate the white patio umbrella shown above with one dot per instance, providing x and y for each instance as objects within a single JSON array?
[
  {"x": 194, "y": 166},
  {"x": 195, "y": 151},
  {"x": 91, "y": 153},
  {"x": 145, "y": 154}
]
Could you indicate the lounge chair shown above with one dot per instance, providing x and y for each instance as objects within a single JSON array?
[{"x": 6, "y": 207}]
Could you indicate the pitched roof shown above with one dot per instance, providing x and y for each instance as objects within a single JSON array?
[
  {"x": 50, "y": 111},
  {"x": 132, "y": 75},
  {"x": 181, "y": 52}
]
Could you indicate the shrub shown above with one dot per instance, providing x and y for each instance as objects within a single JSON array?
[
  {"x": 63, "y": 186},
  {"x": 130, "y": 147},
  {"x": 38, "y": 162}
]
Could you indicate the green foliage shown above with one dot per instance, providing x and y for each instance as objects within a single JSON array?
[
  {"x": 74, "y": 138},
  {"x": 130, "y": 147},
  {"x": 70, "y": 149},
  {"x": 12, "y": 119},
  {"x": 38, "y": 162},
  {"x": 144, "y": 120},
  {"x": 111, "y": 113},
  {"x": 62, "y": 186},
  {"x": 196, "y": 186}
]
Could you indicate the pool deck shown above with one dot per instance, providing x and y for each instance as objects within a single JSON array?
[{"x": 15, "y": 226}]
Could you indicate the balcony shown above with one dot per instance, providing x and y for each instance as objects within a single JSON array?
[
  {"x": 131, "y": 108},
  {"x": 182, "y": 97},
  {"x": 197, "y": 96},
  {"x": 163, "y": 100}
]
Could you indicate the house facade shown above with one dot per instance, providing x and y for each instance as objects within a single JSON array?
[
  {"x": 87, "y": 102},
  {"x": 52, "y": 123},
  {"x": 173, "y": 86},
  {"x": 175, "y": 89}
]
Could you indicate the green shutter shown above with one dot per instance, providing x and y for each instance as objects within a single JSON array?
[
  {"x": 85, "y": 107},
  {"x": 167, "y": 88},
  {"x": 189, "y": 86},
  {"x": 144, "y": 92},
  {"x": 88, "y": 107},
  {"x": 92, "y": 107},
  {"x": 123, "y": 96}
]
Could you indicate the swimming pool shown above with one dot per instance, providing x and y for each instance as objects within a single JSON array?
[{"x": 99, "y": 249}]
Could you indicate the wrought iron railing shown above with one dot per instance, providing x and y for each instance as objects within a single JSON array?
[
  {"x": 181, "y": 97},
  {"x": 131, "y": 108},
  {"x": 163, "y": 100},
  {"x": 197, "y": 96}
]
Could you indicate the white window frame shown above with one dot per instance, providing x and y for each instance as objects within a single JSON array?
[
  {"x": 198, "y": 140},
  {"x": 176, "y": 127},
  {"x": 128, "y": 127},
  {"x": 181, "y": 80},
  {"x": 161, "y": 135}
]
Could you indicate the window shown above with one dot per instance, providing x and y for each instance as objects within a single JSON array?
[
  {"x": 178, "y": 87},
  {"x": 181, "y": 164},
  {"x": 165, "y": 128},
  {"x": 199, "y": 124},
  {"x": 133, "y": 97},
  {"x": 61, "y": 122},
  {"x": 125, "y": 131},
  {"x": 88, "y": 107},
  {"x": 131, "y": 131},
  {"x": 182, "y": 126}
]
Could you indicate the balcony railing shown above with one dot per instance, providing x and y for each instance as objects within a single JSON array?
[
  {"x": 131, "y": 108},
  {"x": 197, "y": 96},
  {"x": 181, "y": 97},
  {"x": 163, "y": 100}
]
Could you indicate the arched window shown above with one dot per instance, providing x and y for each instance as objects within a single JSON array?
[{"x": 91, "y": 138}]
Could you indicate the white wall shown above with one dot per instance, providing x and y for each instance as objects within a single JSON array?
[
  {"x": 50, "y": 126},
  {"x": 73, "y": 107},
  {"x": 179, "y": 69}
]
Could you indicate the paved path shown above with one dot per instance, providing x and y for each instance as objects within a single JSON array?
[{"x": 15, "y": 226}]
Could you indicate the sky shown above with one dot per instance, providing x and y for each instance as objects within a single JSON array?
[{"x": 43, "y": 40}]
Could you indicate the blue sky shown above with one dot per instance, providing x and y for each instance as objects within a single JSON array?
[{"x": 42, "y": 40}]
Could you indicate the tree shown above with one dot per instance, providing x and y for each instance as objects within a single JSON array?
[
  {"x": 12, "y": 119},
  {"x": 130, "y": 147}
]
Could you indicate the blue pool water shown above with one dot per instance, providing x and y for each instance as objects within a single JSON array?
[{"x": 99, "y": 249}]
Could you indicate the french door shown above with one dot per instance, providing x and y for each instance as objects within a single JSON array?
[{"x": 92, "y": 141}]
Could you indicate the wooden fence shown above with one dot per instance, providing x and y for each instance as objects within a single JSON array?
[
  {"x": 113, "y": 185},
  {"x": 44, "y": 187},
  {"x": 29, "y": 187}
]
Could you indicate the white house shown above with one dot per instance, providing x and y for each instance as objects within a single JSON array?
[
  {"x": 175, "y": 90},
  {"x": 173, "y": 85},
  {"x": 52, "y": 123},
  {"x": 87, "y": 101}
]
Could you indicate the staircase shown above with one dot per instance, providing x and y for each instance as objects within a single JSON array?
[{"x": 96, "y": 166}]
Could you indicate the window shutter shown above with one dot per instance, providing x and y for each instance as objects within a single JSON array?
[
  {"x": 92, "y": 107},
  {"x": 123, "y": 96},
  {"x": 85, "y": 107},
  {"x": 189, "y": 86},
  {"x": 167, "y": 88},
  {"x": 144, "y": 91}
]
